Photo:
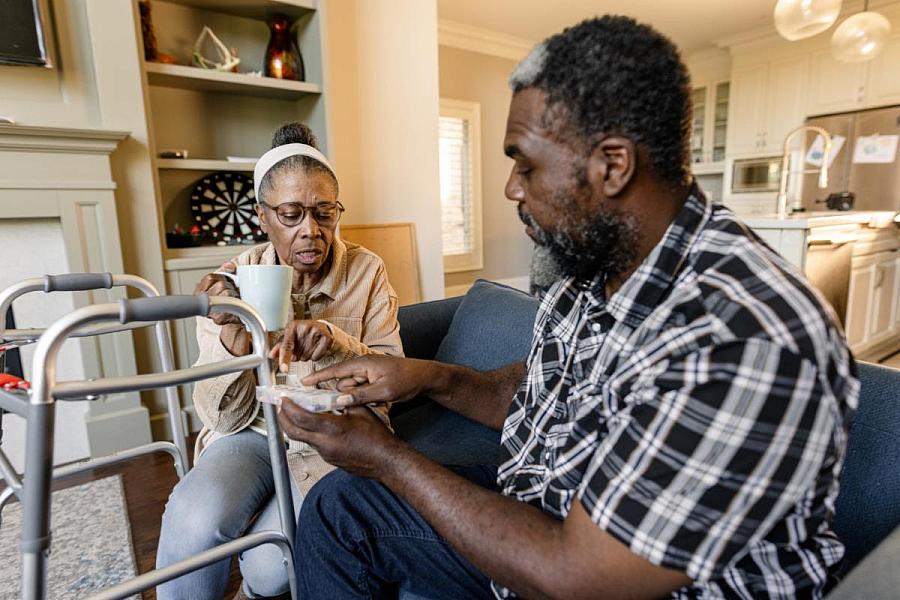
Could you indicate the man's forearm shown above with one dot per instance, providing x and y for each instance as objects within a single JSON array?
[
  {"x": 482, "y": 396},
  {"x": 515, "y": 544}
]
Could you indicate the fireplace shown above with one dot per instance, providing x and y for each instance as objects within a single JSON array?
[{"x": 58, "y": 215}]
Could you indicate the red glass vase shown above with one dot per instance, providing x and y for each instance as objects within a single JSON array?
[{"x": 283, "y": 58}]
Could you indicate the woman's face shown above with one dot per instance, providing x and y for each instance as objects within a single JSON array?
[{"x": 304, "y": 246}]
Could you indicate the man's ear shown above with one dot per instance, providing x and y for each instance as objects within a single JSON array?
[
  {"x": 611, "y": 165},
  {"x": 261, "y": 214}
]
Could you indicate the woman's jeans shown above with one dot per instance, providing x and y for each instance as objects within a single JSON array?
[{"x": 215, "y": 503}]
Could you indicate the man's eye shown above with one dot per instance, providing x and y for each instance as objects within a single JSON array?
[{"x": 290, "y": 215}]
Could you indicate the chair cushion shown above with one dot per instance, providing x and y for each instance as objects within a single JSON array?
[
  {"x": 867, "y": 509},
  {"x": 491, "y": 328}
]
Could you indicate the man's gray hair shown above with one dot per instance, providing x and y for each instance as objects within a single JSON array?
[{"x": 526, "y": 72}]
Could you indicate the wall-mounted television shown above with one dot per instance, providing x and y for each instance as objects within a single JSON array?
[{"x": 22, "y": 33}]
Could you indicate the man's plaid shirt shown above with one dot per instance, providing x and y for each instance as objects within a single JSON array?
[{"x": 699, "y": 415}]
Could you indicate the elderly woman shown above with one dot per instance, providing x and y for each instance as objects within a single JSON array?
[{"x": 342, "y": 306}]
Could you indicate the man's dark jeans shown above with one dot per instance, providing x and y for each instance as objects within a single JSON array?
[{"x": 356, "y": 539}]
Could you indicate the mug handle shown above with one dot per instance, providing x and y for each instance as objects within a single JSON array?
[{"x": 232, "y": 276}]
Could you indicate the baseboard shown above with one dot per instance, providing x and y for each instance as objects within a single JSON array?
[
  {"x": 115, "y": 431},
  {"x": 161, "y": 430},
  {"x": 519, "y": 283}
]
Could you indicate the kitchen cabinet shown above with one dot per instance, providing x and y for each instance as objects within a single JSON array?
[
  {"x": 837, "y": 87},
  {"x": 873, "y": 322},
  {"x": 883, "y": 87},
  {"x": 768, "y": 100},
  {"x": 748, "y": 100},
  {"x": 710, "y": 124}
]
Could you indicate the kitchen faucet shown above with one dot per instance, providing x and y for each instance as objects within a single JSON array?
[{"x": 786, "y": 164}]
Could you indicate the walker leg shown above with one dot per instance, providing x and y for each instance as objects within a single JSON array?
[{"x": 35, "y": 545}]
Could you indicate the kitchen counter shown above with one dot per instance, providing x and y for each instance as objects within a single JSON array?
[
  {"x": 791, "y": 235},
  {"x": 808, "y": 220}
]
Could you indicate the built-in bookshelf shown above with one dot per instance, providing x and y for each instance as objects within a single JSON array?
[{"x": 216, "y": 114}]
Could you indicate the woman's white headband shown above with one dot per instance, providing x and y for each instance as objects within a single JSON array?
[{"x": 278, "y": 154}]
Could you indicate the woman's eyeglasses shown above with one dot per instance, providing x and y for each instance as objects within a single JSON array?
[{"x": 291, "y": 214}]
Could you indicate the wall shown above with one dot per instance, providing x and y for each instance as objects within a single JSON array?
[
  {"x": 475, "y": 77},
  {"x": 382, "y": 92},
  {"x": 62, "y": 96}
]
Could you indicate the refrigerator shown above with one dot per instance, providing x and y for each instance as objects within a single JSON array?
[{"x": 867, "y": 162}]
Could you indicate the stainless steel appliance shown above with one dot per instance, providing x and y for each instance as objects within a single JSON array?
[
  {"x": 876, "y": 185},
  {"x": 750, "y": 175}
]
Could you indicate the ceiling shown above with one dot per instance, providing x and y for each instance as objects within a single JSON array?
[{"x": 692, "y": 24}]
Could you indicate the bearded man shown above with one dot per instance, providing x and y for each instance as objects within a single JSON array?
[{"x": 680, "y": 423}]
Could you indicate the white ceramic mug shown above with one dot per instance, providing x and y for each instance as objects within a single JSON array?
[{"x": 267, "y": 288}]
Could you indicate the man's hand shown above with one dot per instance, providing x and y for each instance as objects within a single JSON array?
[
  {"x": 356, "y": 441},
  {"x": 303, "y": 340},
  {"x": 379, "y": 378},
  {"x": 219, "y": 285}
]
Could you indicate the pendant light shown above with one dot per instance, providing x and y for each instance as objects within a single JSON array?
[
  {"x": 860, "y": 37},
  {"x": 798, "y": 19}
]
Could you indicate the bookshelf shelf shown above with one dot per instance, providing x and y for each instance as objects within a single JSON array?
[
  {"x": 194, "y": 78},
  {"x": 200, "y": 164}
]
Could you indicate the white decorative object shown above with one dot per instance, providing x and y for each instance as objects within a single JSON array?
[
  {"x": 860, "y": 37},
  {"x": 227, "y": 60},
  {"x": 798, "y": 19},
  {"x": 876, "y": 149}
]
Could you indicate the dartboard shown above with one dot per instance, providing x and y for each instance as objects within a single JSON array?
[{"x": 222, "y": 204}]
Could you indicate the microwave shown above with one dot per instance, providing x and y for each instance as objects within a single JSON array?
[{"x": 750, "y": 175}]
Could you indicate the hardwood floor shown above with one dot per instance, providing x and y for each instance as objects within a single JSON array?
[{"x": 147, "y": 481}]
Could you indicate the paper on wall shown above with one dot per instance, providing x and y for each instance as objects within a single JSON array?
[
  {"x": 875, "y": 149},
  {"x": 817, "y": 149}
]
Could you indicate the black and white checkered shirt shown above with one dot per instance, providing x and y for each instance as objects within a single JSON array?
[{"x": 699, "y": 415}]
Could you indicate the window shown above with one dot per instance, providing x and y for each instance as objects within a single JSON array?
[{"x": 460, "y": 173}]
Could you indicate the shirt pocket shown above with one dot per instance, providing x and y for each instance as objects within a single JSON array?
[{"x": 350, "y": 325}]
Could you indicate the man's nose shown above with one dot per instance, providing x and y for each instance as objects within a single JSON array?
[{"x": 514, "y": 190}]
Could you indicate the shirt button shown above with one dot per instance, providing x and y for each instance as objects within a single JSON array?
[{"x": 596, "y": 327}]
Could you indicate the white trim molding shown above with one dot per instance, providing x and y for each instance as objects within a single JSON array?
[
  {"x": 484, "y": 41},
  {"x": 56, "y": 139},
  {"x": 470, "y": 114}
]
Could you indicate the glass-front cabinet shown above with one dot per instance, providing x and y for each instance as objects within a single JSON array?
[{"x": 710, "y": 124}]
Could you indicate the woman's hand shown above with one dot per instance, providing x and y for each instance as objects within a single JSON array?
[
  {"x": 303, "y": 340},
  {"x": 219, "y": 285}
]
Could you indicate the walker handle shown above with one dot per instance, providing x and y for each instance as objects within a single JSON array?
[
  {"x": 77, "y": 282},
  {"x": 163, "y": 308}
]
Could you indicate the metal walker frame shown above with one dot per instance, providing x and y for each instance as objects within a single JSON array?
[
  {"x": 38, "y": 410},
  {"x": 75, "y": 282}
]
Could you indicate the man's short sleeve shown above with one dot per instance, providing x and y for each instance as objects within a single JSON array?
[{"x": 709, "y": 451}]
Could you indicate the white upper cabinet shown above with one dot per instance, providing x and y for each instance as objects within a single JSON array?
[
  {"x": 786, "y": 104},
  {"x": 747, "y": 107},
  {"x": 883, "y": 86},
  {"x": 767, "y": 101},
  {"x": 835, "y": 86}
]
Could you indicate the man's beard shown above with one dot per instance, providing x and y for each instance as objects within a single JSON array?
[{"x": 605, "y": 244}]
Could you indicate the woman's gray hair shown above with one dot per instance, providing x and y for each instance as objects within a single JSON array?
[{"x": 526, "y": 72}]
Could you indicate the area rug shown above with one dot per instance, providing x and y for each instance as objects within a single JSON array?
[{"x": 91, "y": 547}]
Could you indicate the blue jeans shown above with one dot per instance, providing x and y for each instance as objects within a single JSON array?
[
  {"x": 215, "y": 503},
  {"x": 356, "y": 539}
]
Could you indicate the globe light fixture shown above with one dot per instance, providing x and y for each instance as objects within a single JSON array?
[
  {"x": 860, "y": 37},
  {"x": 798, "y": 19}
]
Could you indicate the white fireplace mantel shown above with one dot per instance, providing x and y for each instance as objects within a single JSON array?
[{"x": 57, "y": 211}]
